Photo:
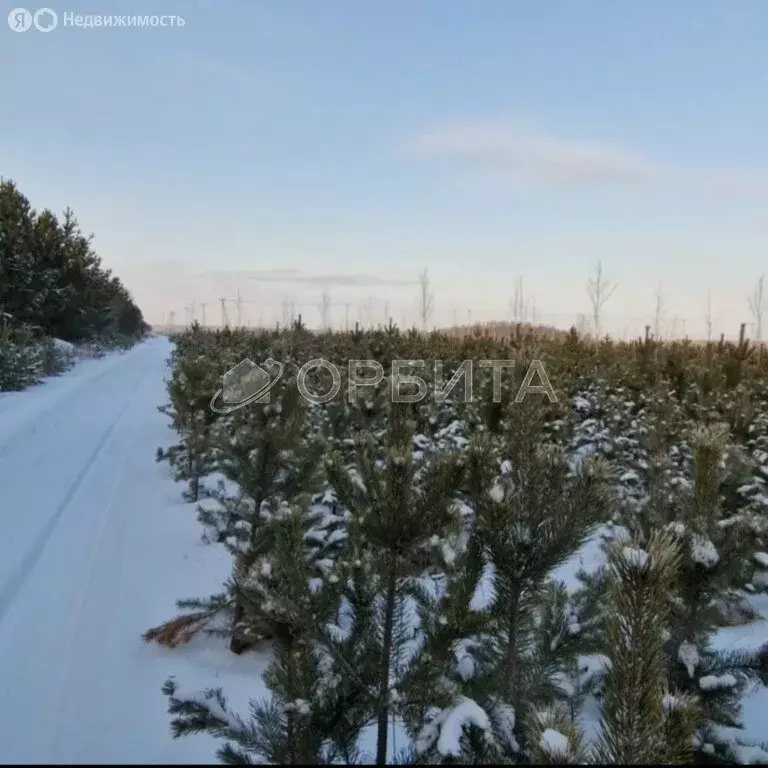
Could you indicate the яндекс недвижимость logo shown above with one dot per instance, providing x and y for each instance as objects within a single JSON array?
[{"x": 43, "y": 19}]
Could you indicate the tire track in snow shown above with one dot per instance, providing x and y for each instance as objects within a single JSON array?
[
  {"x": 82, "y": 603},
  {"x": 15, "y": 583}
]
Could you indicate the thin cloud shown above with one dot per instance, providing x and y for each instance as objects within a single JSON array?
[
  {"x": 354, "y": 280},
  {"x": 295, "y": 276},
  {"x": 506, "y": 148},
  {"x": 254, "y": 274},
  {"x": 522, "y": 153}
]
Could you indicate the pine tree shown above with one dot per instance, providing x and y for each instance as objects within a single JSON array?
[
  {"x": 642, "y": 722},
  {"x": 340, "y": 625},
  {"x": 396, "y": 506},
  {"x": 529, "y": 521},
  {"x": 272, "y": 454},
  {"x": 17, "y": 267},
  {"x": 299, "y": 724},
  {"x": 715, "y": 536},
  {"x": 716, "y": 548},
  {"x": 190, "y": 387},
  {"x": 269, "y": 455},
  {"x": 51, "y": 278},
  {"x": 531, "y": 513}
]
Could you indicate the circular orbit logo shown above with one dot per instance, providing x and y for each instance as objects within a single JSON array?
[{"x": 45, "y": 20}]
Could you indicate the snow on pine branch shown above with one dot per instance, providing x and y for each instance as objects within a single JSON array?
[{"x": 447, "y": 727}]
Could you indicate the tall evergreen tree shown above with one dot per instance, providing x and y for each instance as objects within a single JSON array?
[
  {"x": 50, "y": 276},
  {"x": 17, "y": 254}
]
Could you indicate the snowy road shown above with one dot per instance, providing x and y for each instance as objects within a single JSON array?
[
  {"x": 96, "y": 547},
  {"x": 73, "y": 461},
  {"x": 90, "y": 536}
]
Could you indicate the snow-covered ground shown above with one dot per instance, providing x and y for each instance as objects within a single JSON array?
[{"x": 96, "y": 548}]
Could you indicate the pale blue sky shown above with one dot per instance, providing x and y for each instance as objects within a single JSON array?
[{"x": 479, "y": 139}]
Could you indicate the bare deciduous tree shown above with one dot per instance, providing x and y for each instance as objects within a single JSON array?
[
  {"x": 659, "y": 313},
  {"x": 285, "y": 313},
  {"x": 426, "y": 299},
  {"x": 599, "y": 291},
  {"x": 708, "y": 316},
  {"x": 757, "y": 307},
  {"x": 325, "y": 306}
]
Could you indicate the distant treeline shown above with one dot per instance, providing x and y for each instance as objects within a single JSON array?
[{"x": 52, "y": 280}]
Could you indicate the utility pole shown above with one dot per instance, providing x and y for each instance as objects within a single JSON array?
[
  {"x": 518, "y": 312},
  {"x": 202, "y": 307},
  {"x": 224, "y": 318},
  {"x": 346, "y": 316},
  {"x": 239, "y": 315}
]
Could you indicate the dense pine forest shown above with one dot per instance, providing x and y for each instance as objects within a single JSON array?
[
  {"x": 53, "y": 286},
  {"x": 502, "y": 575}
]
